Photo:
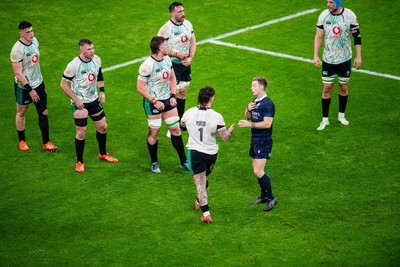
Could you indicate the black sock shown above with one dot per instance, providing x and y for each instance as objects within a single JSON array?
[
  {"x": 153, "y": 151},
  {"x": 342, "y": 103},
  {"x": 21, "y": 135},
  {"x": 44, "y": 128},
  {"x": 267, "y": 185},
  {"x": 101, "y": 140},
  {"x": 263, "y": 190},
  {"x": 177, "y": 143},
  {"x": 79, "y": 148},
  {"x": 180, "y": 105},
  {"x": 205, "y": 208},
  {"x": 325, "y": 107}
]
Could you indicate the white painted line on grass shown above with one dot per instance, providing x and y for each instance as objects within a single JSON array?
[
  {"x": 261, "y": 51},
  {"x": 389, "y": 76},
  {"x": 256, "y": 50},
  {"x": 261, "y": 25},
  {"x": 223, "y": 36},
  {"x": 124, "y": 64},
  {"x": 275, "y": 54}
]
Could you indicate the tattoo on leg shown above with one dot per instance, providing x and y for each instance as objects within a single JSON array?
[{"x": 200, "y": 180}]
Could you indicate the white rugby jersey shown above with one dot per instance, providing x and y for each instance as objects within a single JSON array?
[
  {"x": 28, "y": 55},
  {"x": 337, "y": 29},
  {"x": 157, "y": 75},
  {"x": 202, "y": 125},
  {"x": 83, "y": 78},
  {"x": 178, "y": 36}
]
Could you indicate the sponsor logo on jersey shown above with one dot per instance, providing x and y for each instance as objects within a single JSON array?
[
  {"x": 165, "y": 75},
  {"x": 91, "y": 77},
  {"x": 184, "y": 38},
  {"x": 35, "y": 58},
  {"x": 336, "y": 29}
]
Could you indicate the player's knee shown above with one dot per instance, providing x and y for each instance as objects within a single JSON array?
[
  {"x": 182, "y": 88},
  {"x": 21, "y": 114},
  {"x": 258, "y": 173},
  {"x": 153, "y": 135},
  {"x": 343, "y": 87},
  {"x": 154, "y": 123},
  {"x": 102, "y": 128},
  {"x": 80, "y": 133},
  {"x": 45, "y": 112}
]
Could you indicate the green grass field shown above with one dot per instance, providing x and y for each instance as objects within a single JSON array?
[{"x": 338, "y": 190}]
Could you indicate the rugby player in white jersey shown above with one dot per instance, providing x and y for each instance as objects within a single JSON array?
[
  {"x": 182, "y": 47},
  {"x": 80, "y": 81},
  {"x": 156, "y": 82},
  {"x": 203, "y": 123},
  {"x": 336, "y": 24},
  {"x": 29, "y": 86}
]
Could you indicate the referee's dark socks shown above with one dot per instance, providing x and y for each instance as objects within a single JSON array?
[
  {"x": 180, "y": 105},
  {"x": 263, "y": 190},
  {"x": 266, "y": 182},
  {"x": 79, "y": 147},
  {"x": 177, "y": 143},
  {"x": 342, "y": 103},
  {"x": 21, "y": 135},
  {"x": 101, "y": 140},
  {"x": 325, "y": 107},
  {"x": 153, "y": 151}
]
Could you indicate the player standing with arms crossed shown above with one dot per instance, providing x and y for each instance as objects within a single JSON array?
[{"x": 337, "y": 24}]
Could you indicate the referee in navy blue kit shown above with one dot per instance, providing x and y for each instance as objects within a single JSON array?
[{"x": 260, "y": 115}]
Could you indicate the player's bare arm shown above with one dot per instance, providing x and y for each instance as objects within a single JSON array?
[
  {"x": 317, "y": 45},
  {"x": 17, "y": 67},
  {"x": 68, "y": 91},
  {"x": 225, "y": 134},
  {"x": 357, "y": 46},
  {"x": 141, "y": 87}
]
